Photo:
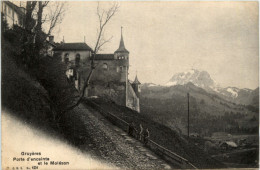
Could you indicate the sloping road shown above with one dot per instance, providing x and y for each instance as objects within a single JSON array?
[{"x": 114, "y": 146}]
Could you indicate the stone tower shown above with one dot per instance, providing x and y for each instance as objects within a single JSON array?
[
  {"x": 122, "y": 56},
  {"x": 136, "y": 86}
]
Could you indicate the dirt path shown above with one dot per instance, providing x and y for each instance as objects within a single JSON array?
[{"x": 114, "y": 146}]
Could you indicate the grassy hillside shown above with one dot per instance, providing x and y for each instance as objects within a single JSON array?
[
  {"x": 36, "y": 96},
  {"x": 208, "y": 112},
  {"x": 163, "y": 135}
]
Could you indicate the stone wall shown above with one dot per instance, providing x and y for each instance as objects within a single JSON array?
[
  {"x": 132, "y": 99},
  {"x": 115, "y": 92},
  {"x": 108, "y": 79}
]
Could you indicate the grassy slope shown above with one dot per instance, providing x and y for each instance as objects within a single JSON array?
[
  {"x": 202, "y": 104},
  {"x": 213, "y": 104},
  {"x": 164, "y": 136}
]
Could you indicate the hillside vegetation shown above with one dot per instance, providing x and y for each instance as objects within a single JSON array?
[
  {"x": 208, "y": 112},
  {"x": 37, "y": 95},
  {"x": 21, "y": 93}
]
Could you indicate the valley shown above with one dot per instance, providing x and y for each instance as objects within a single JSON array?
[{"x": 217, "y": 115}]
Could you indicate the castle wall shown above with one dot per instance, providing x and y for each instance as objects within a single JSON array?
[
  {"x": 115, "y": 92},
  {"x": 132, "y": 100},
  {"x": 108, "y": 79},
  {"x": 107, "y": 71}
]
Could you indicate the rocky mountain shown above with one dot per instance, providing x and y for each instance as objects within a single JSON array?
[
  {"x": 241, "y": 96},
  {"x": 203, "y": 80},
  {"x": 199, "y": 78}
]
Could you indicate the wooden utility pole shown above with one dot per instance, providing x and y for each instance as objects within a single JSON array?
[{"x": 188, "y": 95}]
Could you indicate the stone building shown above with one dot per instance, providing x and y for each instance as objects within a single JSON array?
[
  {"x": 75, "y": 55},
  {"x": 110, "y": 77}
]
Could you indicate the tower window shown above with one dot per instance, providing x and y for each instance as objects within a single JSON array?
[
  {"x": 105, "y": 67},
  {"x": 121, "y": 69}
]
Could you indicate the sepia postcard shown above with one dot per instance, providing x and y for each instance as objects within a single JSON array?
[{"x": 129, "y": 85}]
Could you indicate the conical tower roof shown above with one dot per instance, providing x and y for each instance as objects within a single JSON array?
[
  {"x": 136, "y": 81},
  {"x": 122, "y": 44}
]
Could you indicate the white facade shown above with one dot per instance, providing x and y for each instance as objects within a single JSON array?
[{"x": 11, "y": 14}]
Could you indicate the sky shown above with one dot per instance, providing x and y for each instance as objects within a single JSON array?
[{"x": 165, "y": 38}]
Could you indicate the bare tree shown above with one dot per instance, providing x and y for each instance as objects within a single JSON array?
[
  {"x": 39, "y": 37},
  {"x": 104, "y": 16},
  {"x": 36, "y": 17},
  {"x": 29, "y": 21},
  {"x": 55, "y": 15}
]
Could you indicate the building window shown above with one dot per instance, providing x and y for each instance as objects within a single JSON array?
[
  {"x": 105, "y": 67},
  {"x": 121, "y": 69},
  {"x": 77, "y": 60},
  {"x": 121, "y": 57},
  {"x": 66, "y": 58}
]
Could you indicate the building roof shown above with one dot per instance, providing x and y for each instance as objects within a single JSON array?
[
  {"x": 136, "y": 81},
  {"x": 104, "y": 57},
  {"x": 122, "y": 45},
  {"x": 73, "y": 46}
]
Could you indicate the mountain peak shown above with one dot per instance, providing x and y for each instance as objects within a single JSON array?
[{"x": 199, "y": 78}]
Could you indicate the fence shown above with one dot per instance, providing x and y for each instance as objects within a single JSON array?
[{"x": 168, "y": 155}]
